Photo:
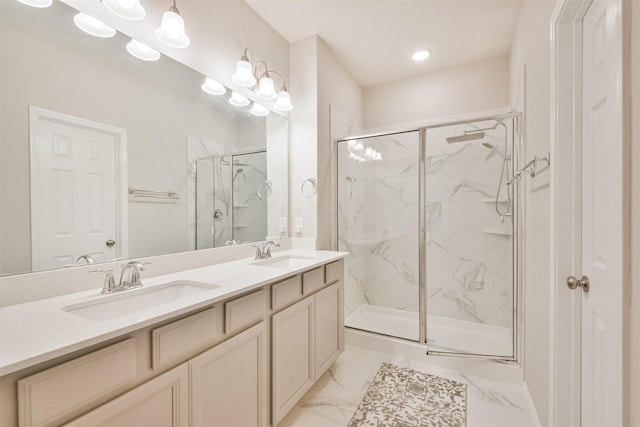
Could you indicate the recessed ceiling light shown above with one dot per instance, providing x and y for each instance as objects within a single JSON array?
[{"x": 421, "y": 55}]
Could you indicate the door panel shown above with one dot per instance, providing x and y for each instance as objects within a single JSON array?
[
  {"x": 602, "y": 216},
  {"x": 74, "y": 193}
]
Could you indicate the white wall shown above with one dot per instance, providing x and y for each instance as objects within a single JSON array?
[
  {"x": 303, "y": 136},
  {"x": 319, "y": 81},
  {"x": 532, "y": 48},
  {"x": 336, "y": 88},
  {"x": 469, "y": 88}
]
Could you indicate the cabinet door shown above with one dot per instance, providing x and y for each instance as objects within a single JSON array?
[
  {"x": 163, "y": 401},
  {"x": 291, "y": 357},
  {"x": 229, "y": 383},
  {"x": 329, "y": 335}
]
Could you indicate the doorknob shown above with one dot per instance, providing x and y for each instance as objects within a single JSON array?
[
  {"x": 573, "y": 283},
  {"x": 110, "y": 242}
]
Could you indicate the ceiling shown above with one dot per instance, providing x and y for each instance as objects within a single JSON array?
[{"x": 374, "y": 39}]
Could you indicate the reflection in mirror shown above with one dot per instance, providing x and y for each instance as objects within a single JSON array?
[{"x": 105, "y": 156}]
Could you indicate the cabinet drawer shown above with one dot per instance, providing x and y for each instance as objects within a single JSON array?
[
  {"x": 285, "y": 292},
  {"x": 245, "y": 311},
  {"x": 49, "y": 395},
  {"x": 179, "y": 339},
  {"x": 312, "y": 280},
  {"x": 334, "y": 271}
]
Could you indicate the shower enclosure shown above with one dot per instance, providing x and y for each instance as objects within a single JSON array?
[
  {"x": 231, "y": 199},
  {"x": 431, "y": 221}
]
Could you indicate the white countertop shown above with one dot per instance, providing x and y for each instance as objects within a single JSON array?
[{"x": 38, "y": 331}]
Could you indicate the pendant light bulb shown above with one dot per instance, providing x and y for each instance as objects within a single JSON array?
[
  {"x": 213, "y": 87},
  {"x": 171, "y": 30},
  {"x": 238, "y": 100},
  {"x": 266, "y": 90},
  {"x": 93, "y": 26},
  {"x": 142, "y": 51},
  {"x": 283, "y": 103},
  {"x": 127, "y": 9},
  {"x": 243, "y": 75},
  {"x": 259, "y": 110},
  {"x": 37, "y": 3}
]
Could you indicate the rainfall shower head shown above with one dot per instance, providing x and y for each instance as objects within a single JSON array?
[{"x": 467, "y": 136}]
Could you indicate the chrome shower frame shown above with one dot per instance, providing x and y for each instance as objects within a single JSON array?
[{"x": 516, "y": 215}]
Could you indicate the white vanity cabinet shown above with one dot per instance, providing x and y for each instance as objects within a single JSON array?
[
  {"x": 307, "y": 337},
  {"x": 229, "y": 383},
  {"x": 160, "y": 402},
  {"x": 242, "y": 361}
]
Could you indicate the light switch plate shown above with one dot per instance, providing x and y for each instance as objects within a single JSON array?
[{"x": 299, "y": 225}]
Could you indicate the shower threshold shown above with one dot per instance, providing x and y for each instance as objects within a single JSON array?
[{"x": 443, "y": 334}]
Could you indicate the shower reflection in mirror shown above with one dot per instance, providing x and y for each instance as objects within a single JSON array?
[{"x": 229, "y": 209}]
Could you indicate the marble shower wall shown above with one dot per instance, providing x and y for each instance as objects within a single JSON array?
[
  {"x": 250, "y": 209},
  {"x": 469, "y": 249},
  {"x": 378, "y": 222}
]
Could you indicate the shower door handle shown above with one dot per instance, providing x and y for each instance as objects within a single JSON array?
[{"x": 573, "y": 283}]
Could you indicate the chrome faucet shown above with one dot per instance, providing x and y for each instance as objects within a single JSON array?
[
  {"x": 264, "y": 251},
  {"x": 130, "y": 275}
]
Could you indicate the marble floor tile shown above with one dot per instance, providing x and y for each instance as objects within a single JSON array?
[{"x": 336, "y": 395}]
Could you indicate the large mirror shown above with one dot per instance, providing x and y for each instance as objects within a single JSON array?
[{"x": 105, "y": 156}]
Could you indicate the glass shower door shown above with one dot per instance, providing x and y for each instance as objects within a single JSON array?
[
  {"x": 469, "y": 252},
  {"x": 378, "y": 201}
]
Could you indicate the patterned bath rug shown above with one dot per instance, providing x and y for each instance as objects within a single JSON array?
[{"x": 400, "y": 397}]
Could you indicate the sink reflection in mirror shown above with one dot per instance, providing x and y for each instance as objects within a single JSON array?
[
  {"x": 129, "y": 302},
  {"x": 156, "y": 109},
  {"x": 285, "y": 261}
]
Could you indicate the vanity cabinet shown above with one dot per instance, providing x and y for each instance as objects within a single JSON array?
[
  {"x": 306, "y": 338},
  {"x": 229, "y": 383},
  {"x": 160, "y": 402},
  {"x": 245, "y": 361},
  {"x": 292, "y": 356}
]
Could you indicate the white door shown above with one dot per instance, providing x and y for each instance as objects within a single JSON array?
[
  {"x": 75, "y": 191},
  {"x": 602, "y": 218}
]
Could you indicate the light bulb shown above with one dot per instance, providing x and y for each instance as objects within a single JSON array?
[
  {"x": 37, "y": 3},
  {"x": 212, "y": 87},
  {"x": 238, "y": 100},
  {"x": 283, "y": 103},
  {"x": 266, "y": 90},
  {"x": 171, "y": 31},
  {"x": 142, "y": 51},
  {"x": 93, "y": 26},
  {"x": 128, "y": 9},
  {"x": 243, "y": 75},
  {"x": 259, "y": 110},
  {"x": 421, "y": 55}
]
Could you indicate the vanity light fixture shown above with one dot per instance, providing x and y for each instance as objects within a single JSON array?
[
  {"x": 127, "y": 9},
  {"x": 244, "y": 74},
  {"x": 259, "y": 110},
  {"x": 212, "y": 87},
  {"x": 238, "y": 100},
  {"x": 93, "y": 26},
  {"x": 142, "y": 51},
  {"x": 262, "y": 84},
  {"x": 171, "y": 30},
  {"x": 360, "y": 153},
  {"x": 37, "y": 3},
  {"x": 421, "y": 55}
]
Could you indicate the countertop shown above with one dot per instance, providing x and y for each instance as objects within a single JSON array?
[{"x": 38, "y": 331}]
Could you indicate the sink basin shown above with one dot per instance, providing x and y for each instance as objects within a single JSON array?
[
  {"x": 284, "y": 261},
  {"x": 128, "y": 302}
]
